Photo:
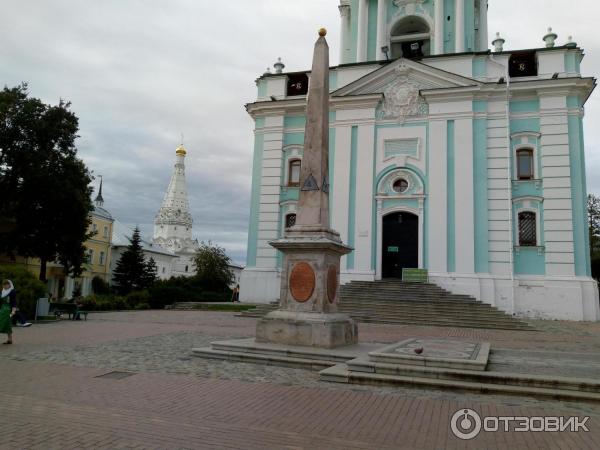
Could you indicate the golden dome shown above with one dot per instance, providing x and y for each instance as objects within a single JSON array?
[
  {"x": 180, "y": 151},
  {"x": 322, "y": 32}
]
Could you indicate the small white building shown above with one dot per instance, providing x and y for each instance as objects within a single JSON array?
[{"x": 165, "y": 260}]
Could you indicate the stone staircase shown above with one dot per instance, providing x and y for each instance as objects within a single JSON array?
[{"x": 397, "y": 302}]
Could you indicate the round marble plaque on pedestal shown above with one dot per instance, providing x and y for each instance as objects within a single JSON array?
[
  {"x": 332, "y": 283},
  {"x": 302, "y": 282}
]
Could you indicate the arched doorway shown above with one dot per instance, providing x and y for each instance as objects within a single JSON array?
[
  {"x": 400, "y": 244},
  {"x": 411, "y": 38}
]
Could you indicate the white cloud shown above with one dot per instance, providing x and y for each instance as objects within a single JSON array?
[{"x": 139, "y": 73}]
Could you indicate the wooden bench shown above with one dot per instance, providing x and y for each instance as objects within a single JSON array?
[
  {"x": 415, "y": 275},
  {"x": 71, "y": 309}
]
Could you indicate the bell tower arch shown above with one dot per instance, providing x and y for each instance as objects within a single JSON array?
[{"x": 379, "y": 29}]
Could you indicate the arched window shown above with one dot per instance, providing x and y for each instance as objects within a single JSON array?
[
  {"x": 294, "y": 172},
  {"x": 290, "y": 220},
  {"x": 527, "y": 229},
  {"x": 411, "y": 38},
  {"x": 525, "y": 164}
]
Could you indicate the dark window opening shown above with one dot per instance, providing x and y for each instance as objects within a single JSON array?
[
  {"x": 297, "y": 85},
  {"x": 525, "y": 164},
  {"x": 527, "y": 229},
  {"x": 523, "y": 64},
  {"x": 187, "y": 268},
  {"x": 290, "y": 220},
  {"x": 410, "y": 38},
  {"x": 400, "y": 186}
]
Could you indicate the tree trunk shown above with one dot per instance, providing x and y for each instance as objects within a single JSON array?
[{"x": 43, "y": 266}]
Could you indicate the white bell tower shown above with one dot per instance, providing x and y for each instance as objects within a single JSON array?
[
  {"x": 387, "y": 29},
  {"x": 173, "y": 223}
]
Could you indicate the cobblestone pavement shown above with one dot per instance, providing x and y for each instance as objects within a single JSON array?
[{"x": 51, "y": 396}]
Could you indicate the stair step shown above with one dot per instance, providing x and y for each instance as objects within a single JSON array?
[{"x": 397, "y": 302}]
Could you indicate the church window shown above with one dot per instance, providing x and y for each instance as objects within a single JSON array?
[
  {"x": 164, "y": 269},
  {"x": 187, "y": 268},
  {"x": 525, "y": 164},
  {"x": 94, "y": 228},
  {"x": 90, "y": 257},
  {"x": 290, "y": 220},
  {"x": 106, "y": 232},
  {"x": 102, "y": 258},
  {"x": 411, "y": 38},
  {"x": 527, "y": 229},
  {"x": 294, "y": 172},
  {"x": 400, "y": 186}
]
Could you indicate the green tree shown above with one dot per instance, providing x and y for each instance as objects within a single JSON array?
[
  {"x": 594, "y": 219},
  {"x": 150, "y": 273},
  {"x": 99, "y": 286},
  {"x": 29, "y": 289},
  {"x": 212, "y": 267},
  {"x": 133, "y": 272},
  {"x": 46, "y": 193}
]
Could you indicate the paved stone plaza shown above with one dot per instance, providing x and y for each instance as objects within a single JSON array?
[{"x": 54, "y": 395}]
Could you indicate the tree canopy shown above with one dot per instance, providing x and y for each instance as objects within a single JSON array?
[
  {"x": 212, "y": 267},
  {"x": 133, "y": 272},
  {"x": 46, "y": 193},
  {"x": 594, "y": 219}
]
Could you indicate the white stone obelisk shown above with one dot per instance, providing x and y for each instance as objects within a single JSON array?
[{"x": 309, "y": 297}]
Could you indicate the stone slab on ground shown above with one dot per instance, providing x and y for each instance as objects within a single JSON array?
[
  {"x": 313, "y": 358},
  {"x": 342, "y": 373},
  {"x": 450, "y": 353}
]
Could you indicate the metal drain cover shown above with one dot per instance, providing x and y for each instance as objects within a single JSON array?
[{"x": 116, "y": 375}]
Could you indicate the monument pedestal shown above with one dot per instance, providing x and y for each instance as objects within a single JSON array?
[
  {"x": 308, "y": 315},
  {"x": 307, "y": 329}
]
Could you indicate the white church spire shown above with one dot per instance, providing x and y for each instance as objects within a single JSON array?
[
  {"x": 173, "y": 223},
  {"x": 175, "y": 208}
]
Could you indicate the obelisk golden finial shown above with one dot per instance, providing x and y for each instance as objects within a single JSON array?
[{"x": 323, "y": 32}]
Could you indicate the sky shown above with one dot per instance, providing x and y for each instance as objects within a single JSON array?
[{"x": 140, "y": 73}]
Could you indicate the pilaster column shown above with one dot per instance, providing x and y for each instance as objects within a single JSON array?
[
  {"x": 439, "y": 27},
  {"x": 382, "y": 38},
  {"x": 345, "y": 56},
  {"x": 361, "y": 45},
  {"x": 483, "y": 25},
  {"x": 460, "y": 26}
]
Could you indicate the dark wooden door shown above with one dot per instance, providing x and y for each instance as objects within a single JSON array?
[{"x": 400, "y": 244}]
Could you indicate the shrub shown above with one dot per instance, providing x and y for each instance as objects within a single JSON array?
[
  {"x": 181, "y": 289},
  {"x": 137, "y": 298},
  {"x": 142, "y": 306},
  {"x": 103, "y": 303},
  {"x": 596, "y": 267},
  {"x": 29, "y": 289},
  {"x": 100, "y": 287}
]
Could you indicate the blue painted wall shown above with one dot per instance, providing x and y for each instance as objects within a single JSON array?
[
  {"x": 480, "y": 191},
  {"x": 255, "y": 200},
  {"x": 451, "y": 197},
  {"x": 352, "y": 196}
]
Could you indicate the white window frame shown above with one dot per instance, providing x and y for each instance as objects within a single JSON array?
[
  {"x": 520, "y": 141},
  {"x": 530, "y": 204}
]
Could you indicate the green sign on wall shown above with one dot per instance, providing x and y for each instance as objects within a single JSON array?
[{"x": 393, "y": 249}]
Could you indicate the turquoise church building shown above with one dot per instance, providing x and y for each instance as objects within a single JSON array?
[{"x": 445, "y": 155}]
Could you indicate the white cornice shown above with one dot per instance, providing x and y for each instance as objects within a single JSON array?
[{"x": 283, "y": 107}]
